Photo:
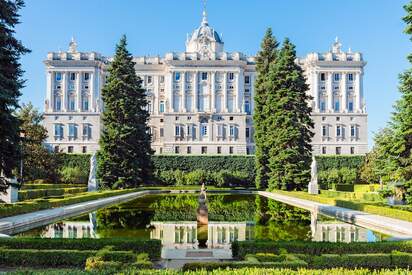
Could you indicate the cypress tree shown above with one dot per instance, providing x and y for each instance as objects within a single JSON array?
[
  {"x": 11, "y": 82},
  {"x": 124, "y": 158},
  {"x": 264, "y": 58},
  {"x": 289, "y": 125},
  {"x": 400, "y": 150}
]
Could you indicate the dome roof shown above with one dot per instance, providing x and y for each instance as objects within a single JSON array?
[
  {"x": 204, "y": 38},
  {"x": 205, "y": 30}
]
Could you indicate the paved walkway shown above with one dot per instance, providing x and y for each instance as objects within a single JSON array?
[
  {"x": 390, "y": 226},
  {"x": 23, "y": 222}
]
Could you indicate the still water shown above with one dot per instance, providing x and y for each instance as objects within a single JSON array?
[{"x": 172, "y": 219}]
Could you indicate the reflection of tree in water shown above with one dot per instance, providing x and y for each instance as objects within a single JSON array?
[
  {"x": 118, "y": 217},
  {"x": 279, "y": 221}
]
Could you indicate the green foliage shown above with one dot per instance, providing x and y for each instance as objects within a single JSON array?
[
  {"x": 288, "y": 123},
  {"x": 210, "y": 266},
  {"x": 38, "y": 162},
  {"x": 11, "y": 83},
  {"x": 81, "y": 161},
  {"x": 197, "y": 177},
  {"x": 34, "y": 186},
  {"x": 265, "y": 57},
  {"x": 42, "y": 193},
  {"x": 73, "y": 175},
  {"x": 241, "y": 249},
  {"x": 40, "y": 204},
  {"x": 124, "y": 158},
  {"x": 244, "y": 164},
  {"x": 335, "y": 162},
  {"x": 120, "y": 245},
  {"x": 331, "y": 178},
  {"x": 365, "y": 196}
]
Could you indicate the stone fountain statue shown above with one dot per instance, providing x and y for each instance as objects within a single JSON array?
[
  {"x": 202, "y": 219},
  {"x": 92, "y": 184},
  {"x": 313, "y": 187}
]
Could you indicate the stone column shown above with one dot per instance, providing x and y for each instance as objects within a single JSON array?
[
  {"x": 315, "y": 90},
  {"x": 344, "y": 93},
  {"x": 50, "y": 91},
  {"x": 239, "y": 91},
  {"x": 93, "y": 103},
  {"x": 213, "y": 92},
  {"x": 224, "y": 84},
  {"x": 169, "y": 80},
  {"x": 64, "y": 91},
  {"x": 195, "y": 92},
  {"x": 79, "y": 91},
  {"x": 329, "y": 88},
  {"x": 183, "y": 91},
  {"x": 358, "y": 100}
]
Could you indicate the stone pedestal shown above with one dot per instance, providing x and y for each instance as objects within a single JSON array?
[
  {"x": 11, "y": 195},
  {"x": 313, "y": 188}
]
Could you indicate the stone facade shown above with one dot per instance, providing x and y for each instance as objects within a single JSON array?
[{"x": 201, "y": 100}]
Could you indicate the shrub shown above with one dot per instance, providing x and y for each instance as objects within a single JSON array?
[
  {"x": 336, "y": 162},
  {"x": 209, "y": 266},
  {"x": 344, "y": 187},
  {"x": 241, "y": 249},
  {"x": 151, "y": 247},
  {"x": 33, "y": 186},
  {"x": 372, "y": 261},
  {"x": 73, "y": 175},
  {"x": 41, "y": 193}
]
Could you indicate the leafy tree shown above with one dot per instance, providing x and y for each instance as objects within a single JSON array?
[
  {"x": 265, "y": 57},
  {"x": 289, "y": 125},
  {"x": 10, "y": 84},
  {"x": 38, "y": 162},
  {"x": 124, "y": 158}
]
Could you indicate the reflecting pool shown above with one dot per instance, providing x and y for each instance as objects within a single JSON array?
[{"x": 172, "y": 219}]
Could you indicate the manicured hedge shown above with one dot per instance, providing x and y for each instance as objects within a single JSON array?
[
  {"x": 41, "y": 193},
  {"x": 344, "y": 187},
  {"x": 74, "y": 160},
  {"x": 57, "y": 258},
  {"x": 331, "y": 162},
  {"x": 241, "y": 249},
  {"x": 240, "y": 271},
  {"x": 367, "y": 196},
  {"x": 369, "y": 207},
  {"x": 209, "y": 266},
  {"x": 32, "y": 186},
  {"x": 151, "y": 247},
  {"x": 11, "y": 209}
]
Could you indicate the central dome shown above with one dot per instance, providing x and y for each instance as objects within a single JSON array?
[{"x": 204, "y": 40}]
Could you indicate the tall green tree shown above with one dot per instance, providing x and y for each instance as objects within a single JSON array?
[
  {"x": 124, "y": 158},
  {"x": 265, "y": 57},
  {"x": 11, "y": 82},
  {"x": 289, "y": 125},
  {"x": 38, "y": 162},
  {"x": 400, "y": 150}
]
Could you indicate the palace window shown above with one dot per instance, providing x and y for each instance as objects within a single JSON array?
[
  {"x": 220, "y": 130},
  {"x": 324, "y": 131},
  {"x": 162, "y": 79},
  {"x": 230, "y": 149},
  {"x": 231, "y": 76},
  {"x": 189, "y": 150},
  {"x": 352, "y": 150},
  {"x": 72, "y": 131},
  {"x": 247, "y": 107},
  {"x": 204, "y": 76},
  {"x": 84, "y": 149},
  {"x": 204, "y": 149},
  {"x": 177, "y": 149},
  {"x": 58, "y": 131},
  {"x": 149, "y": 79},
  {"x": 322, "y": 77},
  {"x": 219, "y": 149},
  {"x": 338, "y": 150},
  {"x": 189, "y": 130},
  {"x": 232, "y": 131},
  {"x": 85, "y": 103},
  {"x": 86, "y": 76},
  {"x": 58, "y": 76},
  {"x": 336, "y": 77},
  {"x": 353, "y": 130},
  {"x": 247, "y": 79},
  {"x": 72, "y": 102},
  {"x": 70, "y": 150},
  {"x": 72, "y": 76},
  {"x": 337, "y": 106},
  {"x": 162, "y": 107},
  {"x": 350, "y": 106},
  {"x": 203, "y": 130},
  {"x": 178, "y": 131},
  {"x": 177, "y": 76},
  {"x": 350, "y": 77},
  {"x": 247, "y": 132},
  {"x": 338, "y": 131},
  {"x": 87, "y": 131},
  {"x": 324, "y": 150},
  {"x": 322, "y": 106},
  {"x": 57, "y": 102}
]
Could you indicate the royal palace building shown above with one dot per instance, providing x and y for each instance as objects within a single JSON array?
[{"x": 201, "y": 100}]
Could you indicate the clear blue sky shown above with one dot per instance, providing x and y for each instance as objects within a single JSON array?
[{"x": 373, "y": 27}]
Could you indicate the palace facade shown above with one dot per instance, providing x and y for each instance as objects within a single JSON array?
[{"x": 201, "y": 100}]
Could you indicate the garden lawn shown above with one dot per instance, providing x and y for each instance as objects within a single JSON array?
[{"x": 377, "y": 208}]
